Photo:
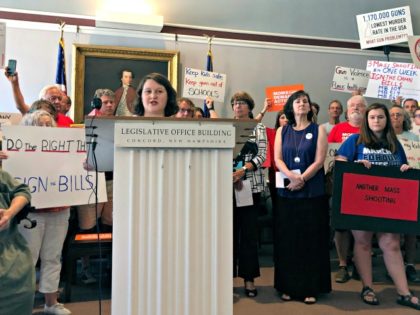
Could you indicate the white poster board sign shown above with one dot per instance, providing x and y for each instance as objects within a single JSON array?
[
  {"x": 330, "y": 157},
  {"x": 388, "y": 80},
  {"x": 50, "y": 162},
  {"x": 385, "y": 27},
  {"x": 412, "y": 151},
  {"x": 349, "y": 79},
  {"x": 414, "y": 44},
  {"x": 8, "y": 119},
  {"x": 2, "y": 45},
  {"x": 201, "y": 83}
]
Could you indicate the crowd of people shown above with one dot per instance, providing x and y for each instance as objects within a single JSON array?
[{"x": 296, "y": 148}]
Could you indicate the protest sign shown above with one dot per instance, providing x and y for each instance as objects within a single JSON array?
[
  {"x": 414, "y": 44},
  {"x": 388, "y": 80},
  {"x": 381, "y": 199},
  {"x": 329, "y": 159},
  {"x": 201, "y": 83},
  {"x": 412, "y": 151},
  {"x": 50, "y": 162},
  {"x": 384, "y": 27},
  {"x": 349, "y": 80},
  {"x": 8, "y": 119},
  {"x": 280, "y": 94}
]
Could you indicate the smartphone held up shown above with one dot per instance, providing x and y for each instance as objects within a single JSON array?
[{"x": 11, "y": 67}]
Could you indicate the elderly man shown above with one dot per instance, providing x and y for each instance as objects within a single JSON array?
[
  {"x": 50, "y": 93},
  {"x": 53, "y": 94},
  {"x": 356, "y": 107}
]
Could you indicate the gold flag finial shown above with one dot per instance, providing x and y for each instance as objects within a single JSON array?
[
  {"x": 209, "y": 39},
  {"x": 61, "y": 24}
]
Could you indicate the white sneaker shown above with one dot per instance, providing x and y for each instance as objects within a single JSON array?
[{"x": 56, "y": 309}]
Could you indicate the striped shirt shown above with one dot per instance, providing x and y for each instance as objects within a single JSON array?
[{"x": 256, "y": 157}]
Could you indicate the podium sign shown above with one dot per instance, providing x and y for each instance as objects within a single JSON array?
[
  {"x": 174, "y": 134},
  {"x": 172, "y": 234}
]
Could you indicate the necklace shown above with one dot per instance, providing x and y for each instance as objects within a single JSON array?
[{"x": 297, "y": 148}]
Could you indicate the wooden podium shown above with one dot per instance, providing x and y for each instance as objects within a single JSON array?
[{"x": 172, "y": 235}]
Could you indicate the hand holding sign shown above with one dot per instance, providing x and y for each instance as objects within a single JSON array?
[
  {"x": 280, "y": 94},
  {"x": 268, "y": 104}
]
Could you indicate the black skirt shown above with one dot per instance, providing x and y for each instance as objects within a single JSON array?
[{"x": 301, "y": 247}]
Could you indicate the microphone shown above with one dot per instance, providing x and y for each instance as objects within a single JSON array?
[
  {"x": 96, "y": 103},
  {"x": 92, "y": 141}
]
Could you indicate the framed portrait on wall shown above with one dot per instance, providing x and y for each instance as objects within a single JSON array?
[{"x": 99, "y": 67}]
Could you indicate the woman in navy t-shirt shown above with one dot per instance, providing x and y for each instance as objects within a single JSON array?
[
  {"x": 301, "y": 220},
  {"x": 377, "y": 144}
]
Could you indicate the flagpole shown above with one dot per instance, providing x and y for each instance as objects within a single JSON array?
[
  {"x": 209, "y": 67},
  {"x": 62, "y": 24},
  {"x": 60, "y": 77},
  {"x": 209, "y": 40}
]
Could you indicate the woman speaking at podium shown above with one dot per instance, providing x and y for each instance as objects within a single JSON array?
[
  {"x": 156, "y": 97},
  {"x": 247, "y": 169}
]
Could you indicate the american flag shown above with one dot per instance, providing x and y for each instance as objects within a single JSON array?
[
  {"x": 209, "y": 67},
  {"x": 60, "y": 77}
]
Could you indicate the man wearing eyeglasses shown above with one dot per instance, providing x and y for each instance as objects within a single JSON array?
[{"x": 54, "y": 95}]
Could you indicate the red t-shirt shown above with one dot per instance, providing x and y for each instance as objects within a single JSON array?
[
  {"x": 271, "y": 137},
  {"x": 63, "y": 120},
  {"x": 341, "y": 132}
]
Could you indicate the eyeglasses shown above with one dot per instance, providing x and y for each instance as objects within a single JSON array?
[
  {"x": 240, "y": 103},
  {"x": 417, "y": 115},
  {"x": 396, "y": 115},
  {"x": 183, "y": 110},
  {"x": 54, "y": 98}
]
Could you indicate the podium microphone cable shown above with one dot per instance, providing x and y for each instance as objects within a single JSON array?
[{"x": 92, "y": 143}]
